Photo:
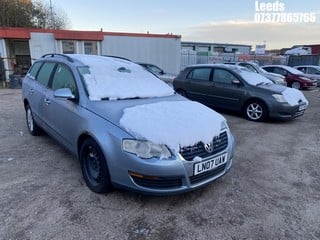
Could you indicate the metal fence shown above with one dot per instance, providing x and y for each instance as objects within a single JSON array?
[
  {"x": 191, "y": 57},
  {"x": 10, "y": 75}
]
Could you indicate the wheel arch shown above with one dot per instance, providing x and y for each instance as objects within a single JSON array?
[
  {"x": 253, "y": 99},
  {"x": 181, "y": 90},
  {"x": 81, "y": 139},
  {"x": 86, "y": 135},
  {"x": 25, "y": 103},
  {"x": 92, "y": 182}
]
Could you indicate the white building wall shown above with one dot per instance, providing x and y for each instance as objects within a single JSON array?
[
  {"x": 3, "y": 52},
  {"x": 163, "y": 52},
  {"x": 4, "y": 55},
  {"x": 42, "y": 43}
]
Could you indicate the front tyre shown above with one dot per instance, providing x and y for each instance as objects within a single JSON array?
[
  {"x": 31, "y": 124},
  {"x": 94, "y": 167},
  {"x": 296, "y": 85},
  {"x": 256, "y": 111}
]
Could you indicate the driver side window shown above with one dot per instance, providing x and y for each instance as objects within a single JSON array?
[
  {"x": 223, "y": 76},
  {"x": 63, "y": 78},
  {"x": 302, "y": 69},
  {"x": 280, "y": 71}
]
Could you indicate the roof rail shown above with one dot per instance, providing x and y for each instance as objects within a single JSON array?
[
  {"x": 58, "y": 54},
  {"x": 123, "y": 58}
]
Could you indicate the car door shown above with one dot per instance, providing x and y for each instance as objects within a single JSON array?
[
  {"x": 61, "y": 115},
  {"x": 199, "y": 82},
  {"x": 227, "y": 90},
  {"x": 37, "y": 91}
]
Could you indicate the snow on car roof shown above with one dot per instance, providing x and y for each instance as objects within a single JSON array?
[
  {"x": 289, "y": 69},
  {"x": 311, "y": 66},
  {"x": 175, "y": 123},
  {"x": 117, "y": 78}
]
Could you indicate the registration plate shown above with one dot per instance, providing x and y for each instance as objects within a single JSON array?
[
  {"x": 210, "y": 164},
  {"x": 302, "y": 107}
]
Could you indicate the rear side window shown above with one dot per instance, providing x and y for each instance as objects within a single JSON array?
[
  {"x": 63, "y": 78},
  {"x": 34, "y": 70},
  {"x": 313, "y": 71},
  {"x": 202, "y": 74},
  {"x": 45, "y": 73}
]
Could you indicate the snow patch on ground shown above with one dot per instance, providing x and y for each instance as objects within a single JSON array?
[{"x": 175, "y": 124}]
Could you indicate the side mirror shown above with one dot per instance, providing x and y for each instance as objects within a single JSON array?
[
  {"x": 236, "y": 82},
  {"x": 64, "y": 93}
]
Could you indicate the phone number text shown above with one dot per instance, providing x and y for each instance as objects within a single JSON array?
[{"x": 275, "y": 17}]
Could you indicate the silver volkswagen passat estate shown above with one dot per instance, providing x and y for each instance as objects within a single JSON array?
[{"x": 127, "y": 128}]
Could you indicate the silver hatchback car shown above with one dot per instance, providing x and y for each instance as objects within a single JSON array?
[{"x": 127, "y": 128}]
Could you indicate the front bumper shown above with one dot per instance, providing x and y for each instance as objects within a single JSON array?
[
  {"x": 309, "y": 85},
  {"x": 166, "y": 177},
  {"x": 287, "y": 112}
]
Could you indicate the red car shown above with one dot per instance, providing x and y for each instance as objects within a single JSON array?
[{"x": 293, "y": 77}]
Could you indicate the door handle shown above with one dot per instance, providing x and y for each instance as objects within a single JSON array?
[
  {"x": 47, "y": 101},
  {"x": 31, "y": 91}
]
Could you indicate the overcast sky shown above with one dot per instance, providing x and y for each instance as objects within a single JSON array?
[{"x": 214, "y": 21}]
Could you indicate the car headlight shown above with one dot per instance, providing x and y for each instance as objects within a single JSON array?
[
  {"x": 280, "y": 98},
  {"x": 279, "y": 79},
  {"x": 146, "y": 149},
  {"x": 224, "y": 125}
]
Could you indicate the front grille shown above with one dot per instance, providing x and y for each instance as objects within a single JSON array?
[
  {"x": 206, "y": 175},
  {"x": 160, "y": 182},
  {"x": 299, "y": 113},
  {"x": 219, "y": 144}
]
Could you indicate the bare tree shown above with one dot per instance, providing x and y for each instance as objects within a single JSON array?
[
  {"x": 27, "y": 13},
  {"x": 15, "y": 13},
  {"x": 45, "y": 16}
]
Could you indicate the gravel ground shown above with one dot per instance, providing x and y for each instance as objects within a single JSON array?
[{"x": 272, "y": 191}]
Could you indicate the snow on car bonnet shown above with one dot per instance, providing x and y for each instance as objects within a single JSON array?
[
  {"x": 254, "y": 78},
  {"x": 294, "y": 96},
  {"x": 115, "y": 78},
  {"x": 175, "y": 124}
]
